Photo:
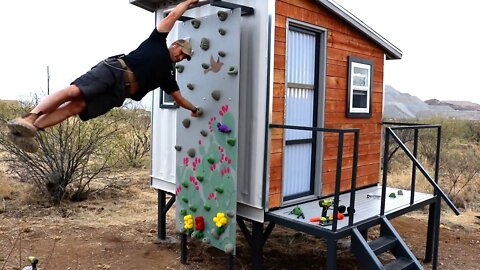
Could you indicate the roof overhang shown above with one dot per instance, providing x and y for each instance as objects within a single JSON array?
[{"x": 391, "y": 51}]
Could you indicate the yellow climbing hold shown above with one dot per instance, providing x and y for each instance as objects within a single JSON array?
[
  {"x": 220, "y": 219},
  {"x": 188, "y": 222}
]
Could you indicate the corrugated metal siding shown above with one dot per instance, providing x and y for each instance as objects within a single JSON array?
[{"x": 299, "y": 111}]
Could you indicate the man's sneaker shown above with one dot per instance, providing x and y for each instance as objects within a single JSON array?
[
  {"x": 27, "y": 144},
  {"x": 22, "y": 127}
]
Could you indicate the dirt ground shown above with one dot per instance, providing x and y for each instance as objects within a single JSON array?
[{"x": 118, "y": 230}]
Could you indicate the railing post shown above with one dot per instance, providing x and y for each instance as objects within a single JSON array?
[
  {"x": 338, "y": 179},
  {"x": 385, "y": 170},
  {"x": 353, "y": 186},
  {"x": 437, "y": 155},
  {"x": 414, "y": 167}
]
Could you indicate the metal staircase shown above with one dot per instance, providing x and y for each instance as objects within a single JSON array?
[{"x": 367, "y": 252}]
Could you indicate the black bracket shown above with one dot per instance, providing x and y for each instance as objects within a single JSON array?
[{"x": 220, "y": 3}]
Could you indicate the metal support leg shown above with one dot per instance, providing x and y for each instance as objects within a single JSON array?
[
  {"x": 331, "y": 254},
  {"x": 436, "y": 239},
  {"x": 430, "y": 233},
  {"x": 162, "y": 219},
  {"x": 257, "y": 245},
  {"x": 229, "y": 262},
  {"x": 183, "y": 249}
]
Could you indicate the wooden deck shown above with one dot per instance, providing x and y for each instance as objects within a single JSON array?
[{"x": 365, "y": 208}]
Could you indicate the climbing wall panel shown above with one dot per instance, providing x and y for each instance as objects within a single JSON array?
[{"x": 207, "y": 148}]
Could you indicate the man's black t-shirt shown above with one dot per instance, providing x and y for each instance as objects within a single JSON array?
[{"x": 152, "y": 65}]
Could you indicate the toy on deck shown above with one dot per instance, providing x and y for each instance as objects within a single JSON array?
[
  {"x": 298, "y": 212},
  {"x": 33, "y": 261}
]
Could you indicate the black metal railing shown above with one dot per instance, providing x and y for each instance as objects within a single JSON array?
[
  {"x": 338, "y": 173},
  {"x": 390, "y": 132}
]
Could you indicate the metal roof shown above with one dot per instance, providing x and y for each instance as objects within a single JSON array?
[{"x": 391, "y": 51}]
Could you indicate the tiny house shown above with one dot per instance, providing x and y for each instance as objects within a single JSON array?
[{"x": 292, "y": 94}]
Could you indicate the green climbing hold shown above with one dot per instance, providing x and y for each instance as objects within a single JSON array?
[
  {"x": 204, "y": 133},
  {"x": 207, "y": 207},
  {"x": 222, "y": 15},
  {"x": 219, "y": 190},
  {"x": 204, "y": 44},
  {"x": 179, "y": 68},
  {"x": 211, "y": 160},
  {"x": 185, "y": 199},
  {"x": 392, "y": 195},
  {"x": 205, "y": 66},
  {"x": 216, "y": 95},
  {"x": 222, "y": 53},
  {"x": 200, "y": 178},
  {"x": 178, "y": 148},
  {"x": 186, "y": 123},
  {"x": 190, "y": 86},
  {"x": 183, "y": 212},
  {"x": 231, "y": 141},
  {"x": 222, "y": 31},
  {"x": 191, "y": 152},
  {"x": 233, "y": 71},
  {"x": 185, "y": 184},
  {"x": 196, "y": 23},
  {"x": 193, "y": 208}
]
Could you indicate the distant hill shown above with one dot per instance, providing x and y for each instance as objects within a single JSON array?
[{"x": 399, "y": 105}]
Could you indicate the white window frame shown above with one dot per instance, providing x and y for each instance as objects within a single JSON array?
[{"x": 365, "y": 87}]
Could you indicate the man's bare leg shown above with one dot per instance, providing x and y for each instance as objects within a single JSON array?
[
  {"x": 26, "y": 125},
  {"x": 63, "y": 112}
]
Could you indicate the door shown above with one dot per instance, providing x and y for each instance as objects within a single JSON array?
[{"x": 301, "y": 109}]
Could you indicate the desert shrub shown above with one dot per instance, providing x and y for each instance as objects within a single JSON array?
[{"x": 459, "y": 171}]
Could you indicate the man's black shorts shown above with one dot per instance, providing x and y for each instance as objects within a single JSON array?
[{"x": 102, "y": 87}]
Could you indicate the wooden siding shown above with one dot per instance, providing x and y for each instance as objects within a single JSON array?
[{"x": 342, "y": 41}]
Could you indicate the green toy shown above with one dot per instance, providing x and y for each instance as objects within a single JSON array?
[{"x": 298, "y": 212}]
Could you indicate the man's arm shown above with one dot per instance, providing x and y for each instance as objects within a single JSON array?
[
  {"x": 183, "y": 102},
  {"x": 167, "y": 23}
]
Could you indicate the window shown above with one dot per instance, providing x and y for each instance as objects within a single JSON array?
[
  {"x": 166, "y": 101},
  {"x": 360, "y": 80}
]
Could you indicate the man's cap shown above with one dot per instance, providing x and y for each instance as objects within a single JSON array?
[{"x": 186, "y": 47}]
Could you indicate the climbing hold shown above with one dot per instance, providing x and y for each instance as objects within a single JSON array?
[
  {"x": 219, "y": 190},
  {"x": 179, "y": 68},
  {"x": 178, "y": 148},
  {"x": 196, "y": 23},
  {"x": 200, "y": 178},
  {"x": 222, "y": 31},
  {"x": 211, "y": 160},
  {"x": 228, "y": 248},
  {"x": 191, "y": 152},
  {"x": 199, "y": 223},
  {"x": 222, "y": 53},
  {"x": 230, "y": 214},
  {"x": 183, "y": 212},
  {"x": 223, "y": 128},
  {"x": 214, "y": 233},
  {"x": 190, "y": 86},
  {"x": 186, "y": 123},
  {"x": 193, "y": 208},
  {"x": 206, "y": 240},
  {"x": 216, "y": 94},
  {"x": 204, "y": 44},
  {"x": 204, "y": 133},
  {"x": 392, "y": 195},
  {"x": 400, "y": 192},
  {"x": 233, "y": 71},
  {"x": 207, "y": 207},
  {"x": 185, "y": 184},
  {"x": 205, "y": 66},
  {"x": 231, "y": 141},
  {"x": 222, "y": 15},
  {"x": 185, "y": 199}
]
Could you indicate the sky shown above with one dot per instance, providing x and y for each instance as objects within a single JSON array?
[{"x": 438, "y": 39}]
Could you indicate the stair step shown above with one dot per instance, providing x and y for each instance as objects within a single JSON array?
[
  {"x": 382, "y": 244},
  {"x": 401, "y": 263}
]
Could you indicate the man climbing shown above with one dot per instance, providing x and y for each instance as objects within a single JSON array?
[{"x": 110, "y": 82}]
